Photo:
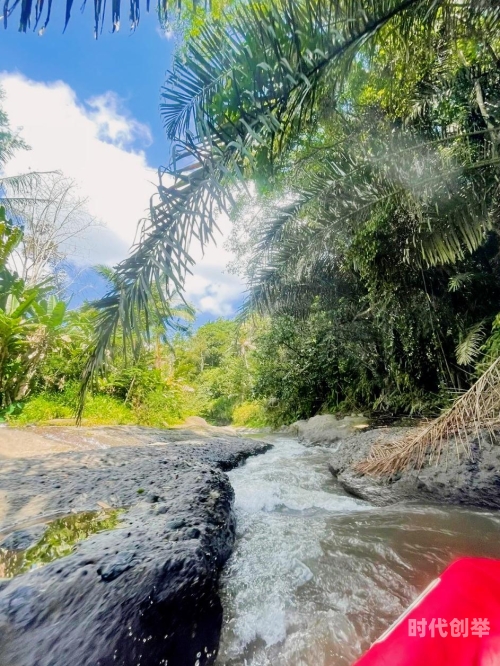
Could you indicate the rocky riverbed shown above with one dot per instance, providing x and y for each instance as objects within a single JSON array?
[
  {"x": 454, "y": 479},
  {"x": 143, "y": 593},
  {"x": 146, "y": 590}
]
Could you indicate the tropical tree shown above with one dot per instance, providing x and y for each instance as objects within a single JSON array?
[
  {"x": 240, "y": 96},
  {"x": 10, "y": 143},
  {"x": 217, "y": 361},
  {"x": 55, "y": 221},
  {"x": 423, "y": 179},
  {"x": 29, "y": 321}
]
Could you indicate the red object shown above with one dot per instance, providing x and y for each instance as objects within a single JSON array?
[{"x": 454, "y": 622}]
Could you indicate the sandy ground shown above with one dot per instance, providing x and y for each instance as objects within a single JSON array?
[{"x": 36, "y": 441}]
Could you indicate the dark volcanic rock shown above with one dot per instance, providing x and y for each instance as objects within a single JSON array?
[
  {"x": 23, "y": 539},
  {"x": 144, "y": 593},
  {"x": 469, "y": 481}
]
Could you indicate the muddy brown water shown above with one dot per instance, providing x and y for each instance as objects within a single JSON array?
[{"x": 316, "y": 576}]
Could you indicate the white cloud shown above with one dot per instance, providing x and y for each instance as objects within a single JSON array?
[
  {"x": 115, "y": 124},
  {"x": 95, "y": 142},
  {"x": 211, "y": 287},
  {"x": 87, "y": 142}
]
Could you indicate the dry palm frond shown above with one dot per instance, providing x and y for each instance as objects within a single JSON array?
[{"x": 475, "y": 410}]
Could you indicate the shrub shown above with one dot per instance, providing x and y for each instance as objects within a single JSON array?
[
  {"x": 251, "y": 414},
  {"x": 166, "y": 407},
  {"x": 99, "y": 409}
]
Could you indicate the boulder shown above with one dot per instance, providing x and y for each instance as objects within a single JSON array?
[
  {"x": 144, "y": 593},
  {"x": 196, "y": 421},
  {"x": 454, "y": 479},
  {"x": 326, "y": 429}
]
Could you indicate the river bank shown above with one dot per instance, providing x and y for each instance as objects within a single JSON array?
[
  {"x": 143, "y": 593},
  {"x": 455, "y": 478}
]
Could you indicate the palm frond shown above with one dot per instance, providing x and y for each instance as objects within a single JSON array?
[
  {"x": 16, "y": 192},
  {"x": 233, "y": 102},
  {"x": 268, "y": 65},
  {"x": 106, "y": 273},
  {"x": 446, "y": 213},
  {"x": 14, "y": 185},
  {"x": 459, "y": 281},
  {"x": 475, "y": 411},
  {"x": 37, "y": 15},
  {"x": 282, "y": 50},
  {"x": 470, "y": 347}
]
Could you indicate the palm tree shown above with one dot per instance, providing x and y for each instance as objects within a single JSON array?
[
  {"x": 12, "y": 188},
  {"x": 168, "y": 11},
  {"x": 236, "y": 99},
  {"x": 443, "y": 191}
]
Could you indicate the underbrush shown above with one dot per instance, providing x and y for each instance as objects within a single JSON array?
[
  {"x": 156, "y": 409},
  {"x": 99, "y": 410},
  {"x": 251, "y": 414}
]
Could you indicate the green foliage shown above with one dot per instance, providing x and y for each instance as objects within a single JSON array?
[
  {"x": 30, "y": 319},
  {"x": 165, "y": 407},
  {"x": 206, "y": 373},
  {"x": 491, "y": 348},
  {"x": 251, "y": 414},
  {"x": 469, "y": 348},
  {"x": 238, "y": 99},
  {"x": 377, "y": 252},
  {"x": 43, "y": 408},
  {"x": 10, "y": 143},
  {"x": 329, "y": 362},
  {"x": 376, "y": 258},
  {"x": 217, "y": 360},
  {"x": 48, "y": 406}
]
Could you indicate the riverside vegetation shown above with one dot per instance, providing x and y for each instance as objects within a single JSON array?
[
  {"x": 355, "y": 144},
  {"x": 369, "y": 145}
]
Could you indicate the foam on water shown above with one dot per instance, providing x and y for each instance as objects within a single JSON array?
[
  {"x": 317, "y": 575},
  {"x": 290, "y": 476}
]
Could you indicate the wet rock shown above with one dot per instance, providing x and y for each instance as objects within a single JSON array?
[
  {"x": 326, "y": 429},
  {"x": 115, "y": 566},
  {"x": 145, "y": 593},
  {"x": 462, "y": 480},
  {"x": 23, "y": 539},
  {"x": 176, "y": 523},
  {"x": 18, "y": 606},
  {"x": 153, "y": 498}
]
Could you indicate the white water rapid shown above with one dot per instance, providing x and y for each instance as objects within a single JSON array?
[{"x": 317, "y": 575}]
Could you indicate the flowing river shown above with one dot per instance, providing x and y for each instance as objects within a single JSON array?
[{"x": 317, "y": 575}]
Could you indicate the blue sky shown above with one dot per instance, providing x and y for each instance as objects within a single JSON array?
[
  {"x": 131, "y": 64},
  {"x": 91, "y": 109}
]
